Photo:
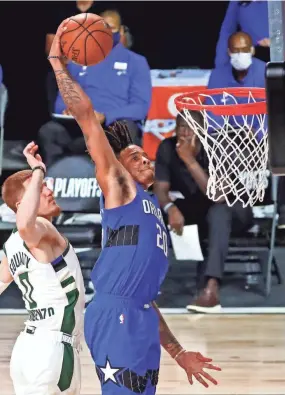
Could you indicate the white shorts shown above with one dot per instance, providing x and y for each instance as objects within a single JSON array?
[{"x": 42, "y": 365}]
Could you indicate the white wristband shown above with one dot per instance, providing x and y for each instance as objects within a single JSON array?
[
  {"x": 167, "y": 207},
  {"x": 179, "y": 353}
]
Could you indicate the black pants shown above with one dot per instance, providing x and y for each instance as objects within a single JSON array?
[
  {"x": 215, "y": 223},
  {"x": 58, "y": 138}
]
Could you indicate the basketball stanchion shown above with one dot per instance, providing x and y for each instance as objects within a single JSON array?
[
  {"x": 275, "y": 99},
  {"x": 235, "y": 139}
]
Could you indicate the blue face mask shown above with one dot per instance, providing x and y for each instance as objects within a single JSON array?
[{"x": 116, "y": 38}]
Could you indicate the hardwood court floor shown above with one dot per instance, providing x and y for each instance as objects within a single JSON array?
[{"x": 249, "y": 348}]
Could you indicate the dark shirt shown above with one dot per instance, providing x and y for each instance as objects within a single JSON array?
[{"x": 170, "y": 168}]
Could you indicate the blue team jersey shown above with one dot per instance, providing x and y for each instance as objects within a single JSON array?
[{"x": 133, "y": 261}]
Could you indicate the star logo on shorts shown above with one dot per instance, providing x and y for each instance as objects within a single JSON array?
[{"x": 108, "y": 372}]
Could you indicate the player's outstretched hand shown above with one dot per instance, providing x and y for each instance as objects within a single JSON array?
[
  {"x": 193, "y": 363},
  {"x": 33, "y": 158},
  {"x": 55, "y": 49}
]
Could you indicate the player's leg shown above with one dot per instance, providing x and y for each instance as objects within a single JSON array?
[
  {"x": 48, "y": 366},
  {"x": 153, "y": 358},
  {"x": 122, "y": 344},
  {"x": 75, "y": 383},
  {"x": 42, "y": 365},
  {"x": 16, "y": 364}
]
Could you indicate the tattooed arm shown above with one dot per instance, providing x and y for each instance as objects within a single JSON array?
[
  {"x": 80, "y": 106},
  {"x": 108, "y": 168},
  {"x": 193, "y": 363},
  {"x": 167, "y": 339}
]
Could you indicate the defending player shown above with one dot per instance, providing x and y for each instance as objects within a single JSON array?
[
  {"x": 45, "y": 358},
  {"x": 123, "y": 326}
]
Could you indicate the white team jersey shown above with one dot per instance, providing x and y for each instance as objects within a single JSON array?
[{"x": 53, "y": 293}]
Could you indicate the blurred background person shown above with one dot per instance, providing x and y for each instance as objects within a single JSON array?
[
  {"x": 182, "y": 166},
  {"x": 250, "y": 17},
  {"x": 121, "y": 33},
  {"x": 242, "y": 70},
  {"x": 63, "y": 10},
  {"x": 126, "y": 37}
]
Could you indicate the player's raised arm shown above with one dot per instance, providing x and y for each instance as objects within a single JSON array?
[
  {"x": 5, "y": 275},
  {"x": 80, "y": 106},
  {"x": 31, "y": 228}
]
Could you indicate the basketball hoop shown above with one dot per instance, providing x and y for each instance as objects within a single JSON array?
[{"x": 234, "y": 136}]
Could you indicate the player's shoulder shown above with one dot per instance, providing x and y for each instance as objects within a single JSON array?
[{"x": 12, "y": 240}]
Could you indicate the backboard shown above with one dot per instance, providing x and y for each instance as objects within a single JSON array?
[{"x": 275, "y": 87}]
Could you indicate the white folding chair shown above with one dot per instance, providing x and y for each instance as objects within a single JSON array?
[{"x": 3, "y": 106}]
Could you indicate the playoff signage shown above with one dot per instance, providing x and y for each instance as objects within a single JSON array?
[
  {"x": 73, "y": 182},
  {"x": 74, "y": 187}
]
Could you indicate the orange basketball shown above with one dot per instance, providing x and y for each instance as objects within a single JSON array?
[{"x": 87, "y": 39}]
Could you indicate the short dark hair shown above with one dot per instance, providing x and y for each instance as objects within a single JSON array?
[
  {"x": 119, "y": 136},
  {"x": 196, "y": 115}
]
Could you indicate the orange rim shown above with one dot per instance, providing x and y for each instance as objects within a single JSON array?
[{"x": 191, "y": 101}]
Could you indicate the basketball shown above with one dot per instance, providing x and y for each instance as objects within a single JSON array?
[{"x": 87, "y": 39}]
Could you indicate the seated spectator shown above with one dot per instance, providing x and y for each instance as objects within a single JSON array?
[
  {"x": 181, "y": 166},
  {"x": 126, "y": 37},
  {"x": 120, "y": 31},
  {"x": 242, "y": 70},
  {"x": 119, "y": 88},
  {"x": 250, "y": 17}
]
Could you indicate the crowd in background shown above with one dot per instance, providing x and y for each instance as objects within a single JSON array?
[{"x": 120, "y": 89}]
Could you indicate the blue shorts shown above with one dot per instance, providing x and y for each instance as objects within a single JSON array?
[{"x": 123, "y": 339}]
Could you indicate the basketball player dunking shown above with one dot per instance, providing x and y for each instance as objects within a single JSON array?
[
  {"x": 123, "y": 326},
  {"x": 45, "y": 358}
]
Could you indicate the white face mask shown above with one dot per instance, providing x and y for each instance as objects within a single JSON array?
[{"x": 241, "y": 61}]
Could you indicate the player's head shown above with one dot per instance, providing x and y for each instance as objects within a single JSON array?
[
  {"x": 132, "y": 157},
  {"x": 14, "y": 188},
  {"x": 113, "y": 18},
  {"x": 241, "y": 50},
  {"x": 183, "y": 129}
]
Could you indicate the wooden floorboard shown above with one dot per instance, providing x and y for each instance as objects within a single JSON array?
[{"x": 249, "y": 348}]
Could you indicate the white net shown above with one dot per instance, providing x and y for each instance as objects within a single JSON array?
[{"x": 237, "y": 150}]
